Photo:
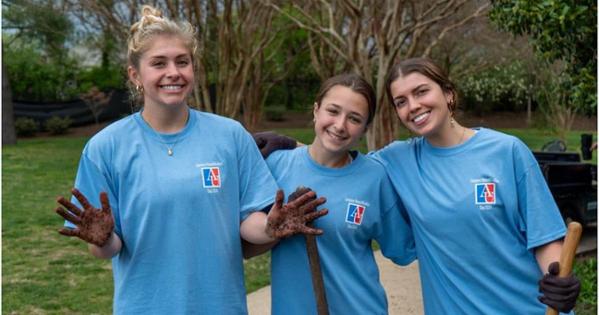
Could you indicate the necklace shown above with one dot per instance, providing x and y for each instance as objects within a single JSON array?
[{"x": 169, "y": 148}]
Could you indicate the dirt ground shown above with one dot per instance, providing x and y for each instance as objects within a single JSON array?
[{"x": 402, "y": 286}]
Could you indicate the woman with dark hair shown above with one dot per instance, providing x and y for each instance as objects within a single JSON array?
[
  {"x": 488, "y": 233},
  {"x": 485, "y": 223},
  {"x": 362, "y": 207}
]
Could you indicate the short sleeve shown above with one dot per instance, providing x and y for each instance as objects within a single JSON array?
[
  {"x": 542, "y": 220},
  {"x": 395, "y": 235},
  {"x": 257, "y": 187},
  {"x": 91, "y": 180}
]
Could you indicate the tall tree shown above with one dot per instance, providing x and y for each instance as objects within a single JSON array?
[
  {"x": 8, "y": 121},
  {"x": 368, "y": 36},
  {"x": 232, "y": 59},
  {"x": 563, "y": 31}
]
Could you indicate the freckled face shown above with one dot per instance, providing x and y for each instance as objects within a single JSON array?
[
  {"x": 421, "y": 104},
  {"x": 340, "y": 120},
  {"x": 165, "y": 72}
]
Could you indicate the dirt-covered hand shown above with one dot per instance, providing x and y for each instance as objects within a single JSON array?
[
  {"x": 298, "y": 192},
  {"x": 292, "y": 218},
  {"x": 269, "y": 141},
  {"x": 559, "y": 292},
  {"x": 93, "y": 225}
]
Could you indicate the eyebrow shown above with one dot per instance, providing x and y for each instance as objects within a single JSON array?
[
  {"x": 414, "y": 89},
  {"x": 165, "y": 57},
  {"x": 351, "y": 112}
]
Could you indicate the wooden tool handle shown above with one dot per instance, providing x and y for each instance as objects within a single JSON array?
[
  {"x": 568, "y": 252},
  {"x": 317, "y": 282}
]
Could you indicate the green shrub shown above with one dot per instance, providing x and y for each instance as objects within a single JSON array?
[
  {"x": 274, "y": 113},
  {"x": 586, "y": 271},
  {"x": 58, "y": 126},
  {"x": 25, "y": 127}
]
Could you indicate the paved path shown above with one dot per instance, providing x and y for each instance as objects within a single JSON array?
[{"x": 402, "y": 285}]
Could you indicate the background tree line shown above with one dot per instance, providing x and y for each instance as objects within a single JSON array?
[{"x": 256, "y": 55}]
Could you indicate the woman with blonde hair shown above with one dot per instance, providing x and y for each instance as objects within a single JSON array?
[{"x": 177, "y": 188}]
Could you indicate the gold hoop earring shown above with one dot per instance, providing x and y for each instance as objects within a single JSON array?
[
  {"x": 139, "y": 89},
  {"x": 451, "y": 105}
]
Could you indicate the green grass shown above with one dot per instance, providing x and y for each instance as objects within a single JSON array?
[
  {"x": 534, "y": 138},
  {"x": 46, "y": 273},
  {"x": 43, "y": 271}
]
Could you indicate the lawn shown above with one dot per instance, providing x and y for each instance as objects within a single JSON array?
[{"x": 46, "y": 273}]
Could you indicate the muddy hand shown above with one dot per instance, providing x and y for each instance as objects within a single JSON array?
[
  {"x": 292, "y": 218},
  {"x": 93, "y": 225}
]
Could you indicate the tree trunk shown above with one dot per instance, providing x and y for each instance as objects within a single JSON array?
[
  {"x": 528, "y": 111},
  {"x": 8, "y": 119}
]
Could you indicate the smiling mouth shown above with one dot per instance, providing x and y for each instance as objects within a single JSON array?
[
  {"x": 336, "y": 136},
  {"x": 420, "y": 117},
  {"x": 172, "y": 87}
]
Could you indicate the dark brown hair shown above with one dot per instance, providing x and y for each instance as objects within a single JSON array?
[
  {"x": 354, "y": 82},
  {"x": 427, "y": 68}
]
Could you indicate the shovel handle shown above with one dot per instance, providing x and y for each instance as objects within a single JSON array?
[
  {"x": 567, "y": 256},
  {"x": 317, "y": 280}
]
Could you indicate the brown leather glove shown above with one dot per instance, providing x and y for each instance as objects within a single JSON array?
[{"x": 269, "y": 141}]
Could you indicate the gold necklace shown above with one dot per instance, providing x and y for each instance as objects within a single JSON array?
[{"x": 169, "y": 149}]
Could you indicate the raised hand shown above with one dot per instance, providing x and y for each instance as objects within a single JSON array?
[
  {"x": 290, "y": 219},
  {"x": 559, "y": 292},
  {"x": 93, "y": 225}
]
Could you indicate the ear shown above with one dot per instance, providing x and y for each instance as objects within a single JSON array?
[
  {"x": 449, "y": 96},
  {"x": 314, "y": 110},
  {"x": 133, "y": 75}
]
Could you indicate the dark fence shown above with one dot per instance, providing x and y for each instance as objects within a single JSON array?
[{"x": 80, "y": 113}]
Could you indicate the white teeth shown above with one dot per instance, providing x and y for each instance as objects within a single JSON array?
[
  {"x": 171, "y": 87},
  {"x": 420, "y": 117},
  {"x": 334, "y": 135}
]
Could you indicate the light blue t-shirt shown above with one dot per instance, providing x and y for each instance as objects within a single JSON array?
[
  {"x": 362, "y": 207},
  {"x": 179, "y": 215},
  {"x": 478, "y": 210}
]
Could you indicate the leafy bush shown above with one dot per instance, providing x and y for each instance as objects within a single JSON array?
[
  {"x": 34, "y": 76},
  {"x": 586, "y": 271},
  {"x": 58, "y": 126},
  {"x": 25, "y": 127},
  {"x": 500, "y": 88}
]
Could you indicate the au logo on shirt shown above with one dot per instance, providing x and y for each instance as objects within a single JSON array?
[
  {"x": 484, "y": 193},
  {"x": 211, "y": 177},
  {"x": 355, "y": 213}
]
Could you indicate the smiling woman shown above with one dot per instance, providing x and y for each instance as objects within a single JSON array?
[
  {"x": 363, "y": 207},
  {"x": 178, "y": 189}
]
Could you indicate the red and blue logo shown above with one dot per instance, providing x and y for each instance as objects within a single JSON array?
[
  {"x": 485, "y": 193},
  {"x": 211, "y": 177},
  {"x": 355, "y": 213}
]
